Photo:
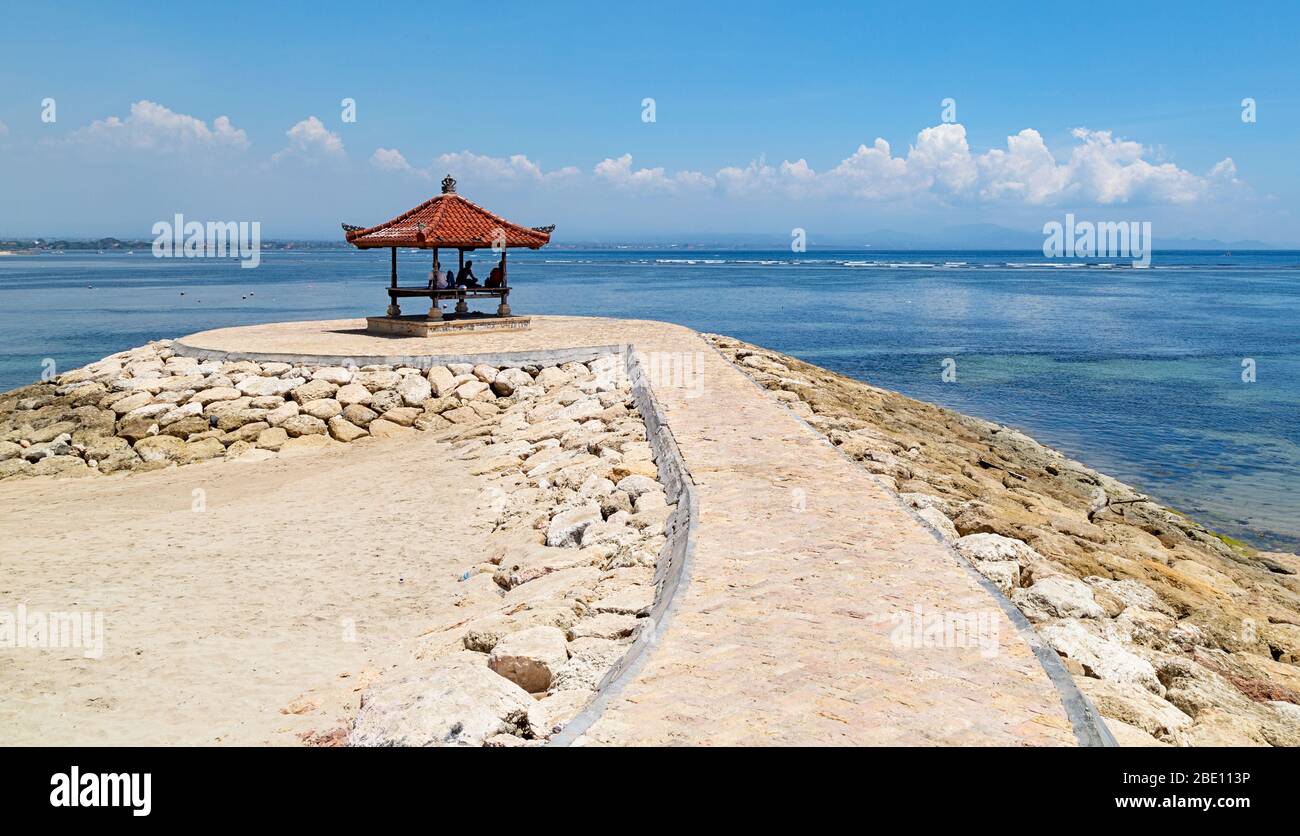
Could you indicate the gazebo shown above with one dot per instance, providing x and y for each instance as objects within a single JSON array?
[{"x": 447, "y": 221}]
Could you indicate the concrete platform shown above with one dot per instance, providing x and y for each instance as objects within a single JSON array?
[
  {"x": 420, "y": 325},
  {"x": 786, "y": 628}
]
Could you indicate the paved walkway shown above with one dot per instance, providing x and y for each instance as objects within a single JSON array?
[{"x": 798, "y": 620}]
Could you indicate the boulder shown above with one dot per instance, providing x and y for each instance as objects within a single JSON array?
[
  {"x": 940, "y": 522},
  {"x": 1005, "y": 574},
  {"x": 123, "y": 406},
  {"x": 589, "y": 660},
  {"x": 1057, "y": 596},
  {"x": 403, "y": 415},
  {"x": 566, "y": 527},
  {"x": 457, "y": 702},
  {"x": 160, "y": 448},
  {"x": 337, "y": 375},
  {"x": 634, "y": 486},
  {"x": 352, "y": 393},
  {"x": 415, "y": 390},
  {"x": 282, "y": 413},
  {"x": 322, "y": 408},
  {"x": 341, "y": 429},
  {"x": 256, "y": 385},
  {"x": 171, "y": 416},
  {"x": 314, "y": 390},
  {"x": 977, "y": 547},
  {"x": 441, "y": 381},
  {"x": 381, "y": 428},
  {"x": 303, "y": 425},
  {"x": 603, "y": 626},
  {"x": 471, "y": 389},
  {"x": 1100, "y": 656},
  {"x": 272, "y": 439},
  {"x": 195, "y": 451},
  {"x": 377, "y": 380},
  {"x": 530, "y": 658},
  {"x": 384, "y": 400},
  {"x": 359, "y": 415}
]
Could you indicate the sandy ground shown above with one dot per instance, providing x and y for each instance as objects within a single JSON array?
[{"x": 303, "y": 577}]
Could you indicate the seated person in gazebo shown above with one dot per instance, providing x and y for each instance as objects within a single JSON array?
[
  {"x": 494, "y": 278},
  {"x": 466, "y": 276},
  {"x": 436, "y": 278}
]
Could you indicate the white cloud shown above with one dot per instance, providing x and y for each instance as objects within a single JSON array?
[
  {"x": 311, "y": 141},
  {"x": 469, "y": 167},
  {"x": 390, "y": 159},
  {"x": 4, "y": 129},
  {"x": 153, "y": 127},
  {"x": 938, "y": 166},
  {"x": 619, "y": 172}
]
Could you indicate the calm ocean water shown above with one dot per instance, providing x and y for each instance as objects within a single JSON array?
[{"x": 1135, "y": 372}]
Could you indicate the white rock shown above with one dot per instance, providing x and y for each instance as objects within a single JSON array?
[
  {"x": 566, "y": 527},
  {"x": 442, "y": 381},
  {"x": 333, "y": 374},
  {"x": 1057, "y": 596},
  {"x": 996, "y": 547},
  {"x": 940, "y": 522},
  {"x": 458, "y": 702},
  {"x": 1102, "y": 657},
  {"x": 351, "y": 393},
  {"x": 635, "y": 485},
  {"x": 414, "y": 389},
  {"x": 257, "y": 385}
]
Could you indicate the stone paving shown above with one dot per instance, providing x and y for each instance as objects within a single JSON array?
[{"x": 804, "y": 615}]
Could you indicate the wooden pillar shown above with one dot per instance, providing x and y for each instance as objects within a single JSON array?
[
  {"x": 393, "y": 309},
  {"x": 435, "y": 307},
  {"x": 504, "y": 308}
]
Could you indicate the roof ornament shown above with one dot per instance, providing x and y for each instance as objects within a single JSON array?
[
  {"x": 548, "y": 229},
  {"x": 352, "y": 228},
  {"x": 448, "y": 185}
]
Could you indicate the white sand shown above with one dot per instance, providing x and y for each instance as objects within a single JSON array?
[{"x": 216, "y": 620}]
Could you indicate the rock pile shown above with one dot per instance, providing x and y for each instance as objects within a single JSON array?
[
  {"x": 1179, "y": 636},
  {"x": 565, "y": 579}
]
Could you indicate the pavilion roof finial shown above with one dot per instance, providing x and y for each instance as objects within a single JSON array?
[{"x": 448, "y": 185}]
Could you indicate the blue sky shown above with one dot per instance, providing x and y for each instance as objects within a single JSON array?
[{"x": 767, "y": 116}]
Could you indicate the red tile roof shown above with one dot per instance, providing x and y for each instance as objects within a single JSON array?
[{"x": 447, "y": 220}]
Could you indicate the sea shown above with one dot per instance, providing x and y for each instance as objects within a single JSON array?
[{"x": 1181, "y": 378}]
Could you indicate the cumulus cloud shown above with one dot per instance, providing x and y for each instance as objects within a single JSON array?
[
  {"x": 471, "y": 167},
  {"x": 938, "y": 166},
  {"x": 153, "y": 127},
  {"x": 390, "y": 159},
  {"x": 310, "y": 141},
  {"x": 941, "y": 165},
  {"x": 620, "y": 173}
]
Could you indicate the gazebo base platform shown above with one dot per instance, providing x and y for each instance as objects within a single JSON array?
[{"x": 419, "y": 325}]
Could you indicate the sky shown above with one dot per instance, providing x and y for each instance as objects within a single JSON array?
[{"x": 836, "y": 118}]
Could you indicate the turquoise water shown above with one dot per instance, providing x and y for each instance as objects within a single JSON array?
[{"x": 1135, "y": 372}]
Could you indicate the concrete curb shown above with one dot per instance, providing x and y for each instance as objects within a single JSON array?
[
  {"x": 1088, "y": 726},
  {"x": 672, "y": 569},
  {"x": 543, "y": 357}
]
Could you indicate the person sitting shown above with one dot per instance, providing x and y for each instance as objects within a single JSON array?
[
  {"x": 443, "y": 280},
  {"x": 466, "y": 276},
  {"x": 494, "y": 278},
  {"x": 435, "y": 276}
]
